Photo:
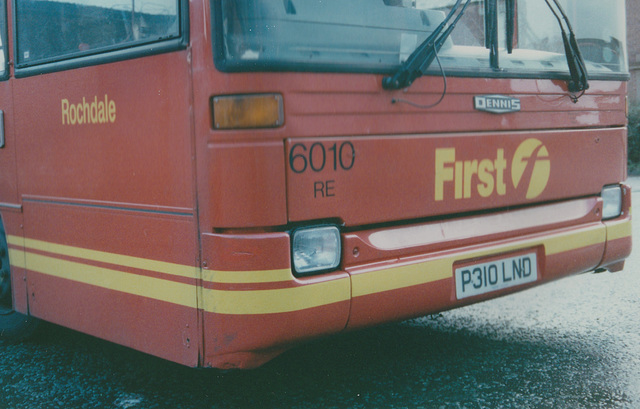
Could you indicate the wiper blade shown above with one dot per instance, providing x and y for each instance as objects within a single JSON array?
[
  {"x": 421, "y": 58},
  {"x": 577, "y": 68}
]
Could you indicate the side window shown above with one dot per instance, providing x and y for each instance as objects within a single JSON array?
[{"x": 52, "y": 30}]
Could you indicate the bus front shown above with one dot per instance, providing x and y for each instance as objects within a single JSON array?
[{"x": 361, "y": 162}]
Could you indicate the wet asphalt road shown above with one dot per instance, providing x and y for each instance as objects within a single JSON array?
[{"x": 571, "y": 344}]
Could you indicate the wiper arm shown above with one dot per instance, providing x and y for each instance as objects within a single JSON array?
[
  {"x": 421, "y": 58},
  {"x": 577, "y": 68},
  {"x": 511, "y": 24},
  {"x": 491, "y": 32}
]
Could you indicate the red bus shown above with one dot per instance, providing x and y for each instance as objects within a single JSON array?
[{"x": 215, "y": 182}]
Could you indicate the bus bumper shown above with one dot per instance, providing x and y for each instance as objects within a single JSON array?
[
  {"x": 568, "y": 239},
  {"x": 390, "y": 274}
]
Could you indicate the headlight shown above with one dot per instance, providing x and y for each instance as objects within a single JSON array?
[
  {"x": 316, "y": 249},
  {"x": 612, "y": 201}
]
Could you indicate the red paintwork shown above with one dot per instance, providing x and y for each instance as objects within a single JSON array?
[
  {"x": 9, "y": 181},
  {"x": 160, "y": 184},
  {"x": 131, "y": 162},
  {"x": 245, "y": 188},
  {"x": 247, "y": 252}
]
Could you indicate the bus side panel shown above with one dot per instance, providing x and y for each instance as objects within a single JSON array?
[
  {"x": 106, "y": 178},
  {"x": 116, "y": 133},
  {"x": 158, "y": 328},
  {"x": 8, "y": 179},
  {"x": 10, "y": 206},
  {"x": 124, "y": 276}
]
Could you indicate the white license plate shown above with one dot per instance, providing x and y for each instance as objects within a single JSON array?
[{"x": 482, "y": 278}]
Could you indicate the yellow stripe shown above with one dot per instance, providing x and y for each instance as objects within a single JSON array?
[
  {"x": 277, "y": 301},
  {"x": 247, "y": 277},
  {"x": 225, "y": 277},
  {"x": 16, "y": 258},
  {"x": 562, "y": 242},
  {"x": 224, "y": 302},
  {"x": 400, "y": 277},
  {"x": 164, "y": 290},
  {"x": 619, "y": 230},
  {"x": 433, "y": 270},
  {"x": 15, "y": 240},
  {"x": 216, "y": 301},
  {"x": 104, "y": 257}
]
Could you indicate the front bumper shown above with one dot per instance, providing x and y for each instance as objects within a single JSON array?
[{"x": 254, "y": 308}]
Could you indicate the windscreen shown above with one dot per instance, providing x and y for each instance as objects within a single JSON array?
[
  {"x": 378, "y": 35},
  {"x": 600, "y": 29}
]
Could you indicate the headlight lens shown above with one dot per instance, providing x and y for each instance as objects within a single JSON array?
[
  {"x": 612, "y": 201},
  {"x": 316, "y": 249}
]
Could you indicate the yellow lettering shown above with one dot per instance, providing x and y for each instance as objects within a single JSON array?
[
  {"x": 459, "y": 167},
  {"x": 86, "y": 111},
  {"x": 72, "y": 114},
  {"x": 485, "y": 176},
  {"x": 106, "y": 108},
  {"x": 65, "y": 111},
  {"x": 93, "y": 112},
  {"x": 444, "y": 173},
  {"x": 102, "y": 118},
  {"x": 470, "y": 169},
  {"x": 112, "y": 111},
  {"x": 500, "y": 165},
  {"x": 481, "y": 176}
]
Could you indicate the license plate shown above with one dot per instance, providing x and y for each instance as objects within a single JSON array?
[{"x": 482, "y": 278}]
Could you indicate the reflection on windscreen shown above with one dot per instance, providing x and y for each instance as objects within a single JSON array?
[
  {"x": 49, "y": 29},
  {"x": 328, "y": 31},
  {"x": 377, "y": 35},
  {"x": 600, "y": 30}
]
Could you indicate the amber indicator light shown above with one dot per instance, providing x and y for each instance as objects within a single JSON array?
[{"x": 247, "y": 111}]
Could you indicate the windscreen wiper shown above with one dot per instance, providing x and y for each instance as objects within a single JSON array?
[
  {"x": 491, "y": 32},
  {"x": 421, "y": 58},
  {"x": 577, "y": 68},
  {"x": 511, "y": 24}
]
